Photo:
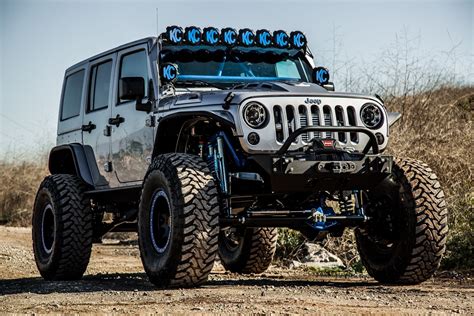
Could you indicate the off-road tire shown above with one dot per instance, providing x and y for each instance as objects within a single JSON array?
[
  {"x": 185, "y": 256},
  {"x": 61, "y": 199},
  {"x": 422, "y": 228},
  {"x": 254, "y": 252}
]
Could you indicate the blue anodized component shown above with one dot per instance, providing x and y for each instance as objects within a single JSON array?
[
  {"x": 264, "y": 38},
  {"x": 318, "y": 218},
  {"x": 281, "y": 39}
]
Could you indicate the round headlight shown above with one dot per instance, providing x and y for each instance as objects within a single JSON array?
[
  {"x": 255, "y": 115},
  {"x": 371, "y": 115}
]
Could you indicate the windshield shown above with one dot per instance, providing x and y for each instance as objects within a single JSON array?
[{"x": 224, "y": 66}]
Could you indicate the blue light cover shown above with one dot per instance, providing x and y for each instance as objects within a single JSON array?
[
  {"x": 263, "y": 38},
  {"x": 321, "y": 75},
  {"x": 281, "y": 39},
  {"x": 192, "y": 34},
  {"x": 229, "y": 36},
  {"x": 169, "y": 72},
  {"x": 246, "y": 37},
  {"x": 210, "y": 35},
  {"x": 174, "y": 34},
  {"x": 298, "y": 40}
]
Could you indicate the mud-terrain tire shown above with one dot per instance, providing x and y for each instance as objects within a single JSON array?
[
  {"x": 251, "y": 251},
  {"x": 408, "y": 248},
  {"x": 178, "y": 221},
  {"x": 62, "y": 228}
]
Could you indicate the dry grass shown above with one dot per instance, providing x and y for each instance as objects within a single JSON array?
[{"x": 18, "y": 185}]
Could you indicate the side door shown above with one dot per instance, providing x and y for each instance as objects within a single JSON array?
[
  {"x": 132, "y": 136},
  {"x": 98, "y": 109}
]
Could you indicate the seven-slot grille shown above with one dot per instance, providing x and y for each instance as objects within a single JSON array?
[{"x": 290, "y": 117}]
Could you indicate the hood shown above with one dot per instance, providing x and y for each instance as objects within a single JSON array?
[{"x": 250, "y": 90}]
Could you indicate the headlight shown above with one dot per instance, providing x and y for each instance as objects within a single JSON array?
[
  {"x": 371, "y": 115},
  {"x": 255, "y": 115}
]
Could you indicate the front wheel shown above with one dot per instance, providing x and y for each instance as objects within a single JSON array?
[
  {"x": 406, "y": 236},
  {"x": 178, "y": 221}
]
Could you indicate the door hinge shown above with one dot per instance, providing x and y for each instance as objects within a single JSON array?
[
  {"x": 108, "y": 166},
  {"x": 107, "y": 130},
  {"x": 150, "y": 121}
]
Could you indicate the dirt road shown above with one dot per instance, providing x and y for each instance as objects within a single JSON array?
[{"x": 115, "y": 282}]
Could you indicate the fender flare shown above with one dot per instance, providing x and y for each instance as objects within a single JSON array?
[{"x": 75, "y": 159}]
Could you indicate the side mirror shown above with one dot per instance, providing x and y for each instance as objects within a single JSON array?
[{"x": 133, "y": 88}]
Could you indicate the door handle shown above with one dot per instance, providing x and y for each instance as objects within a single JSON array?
[
  {"x": 88, "y": 127},
  {"x": 116, "y": 120}
]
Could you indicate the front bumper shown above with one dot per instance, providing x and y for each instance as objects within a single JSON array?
[{"x": 336, "y": 170}]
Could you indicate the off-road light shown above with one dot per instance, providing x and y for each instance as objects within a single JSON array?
[
  {"x": 169, "y": 72},
  {"x": 320, "y": 75},
  {"x": 371, "y": 115},
  {"x": 246, "y": 37},
  {"x": 263, "y": 38},
  {"x": 253, "y": 138},
  {"x": 298, "y": 40},
  {"x": 255, "y": 115},
  {"x": 229, "y": 36},
  {"x": 174, "y": 34},
  {"x": 281, "y": 39},
  {"x": 210, "y": 35},
  {"x": 192, "y": 35}
]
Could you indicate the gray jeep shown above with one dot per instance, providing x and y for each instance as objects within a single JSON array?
[{"x": 205, "y": 140}]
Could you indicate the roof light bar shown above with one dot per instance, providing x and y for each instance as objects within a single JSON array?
[{"x": 230, "y": 37}]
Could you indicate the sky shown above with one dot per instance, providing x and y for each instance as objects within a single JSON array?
[{"x": 40, "y": 39}]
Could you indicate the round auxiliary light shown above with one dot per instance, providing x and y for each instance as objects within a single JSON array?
[
  {"x": 281, "y": 39},
  {"x": 246, "y": 37},
  {"x": 298, "y": 40},
  {"x": 253, "y": 138},
  {"x": 169, "y": 72},
  {"x": 371, "y": 115},
  {"x": 229, "y": 36},
  {"x": 320, "y": 75},
  {"x": 263, "y": 38},
  {"x": 255, "y": 115},
  {"x": 174, "y": 34},
  {"x": 210, "y": 35},
  {"x": 192, "y": 35}
]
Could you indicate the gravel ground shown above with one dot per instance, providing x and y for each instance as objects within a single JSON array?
[{"x": 115, "y": 282}]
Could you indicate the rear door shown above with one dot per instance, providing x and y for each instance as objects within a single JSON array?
[
  {"x": 97, "y": 112},
  {"x": 132, "y": 138}
]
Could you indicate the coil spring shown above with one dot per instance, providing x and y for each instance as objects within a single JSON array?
[{"x": 346, "y": 204}]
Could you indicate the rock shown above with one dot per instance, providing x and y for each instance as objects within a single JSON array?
[{"x": 318, "y": 257}]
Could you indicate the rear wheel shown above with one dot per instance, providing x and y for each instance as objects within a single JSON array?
[
  {"x": 406, "y": 236},
  {"x": 62, "y": 228},
  {"x": 178, "y": 223},
  {"x": 247, "y": 250}
]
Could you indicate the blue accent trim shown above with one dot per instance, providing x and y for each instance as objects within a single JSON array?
[{"x": 234, "y": 78}]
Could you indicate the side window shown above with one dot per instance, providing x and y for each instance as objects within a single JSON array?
[
  {"x": 135, "y": 65},
  {"x": 71, "y": 105},
  {"x": 100, "y": 86}
]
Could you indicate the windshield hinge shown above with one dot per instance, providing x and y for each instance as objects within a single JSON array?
[{"x": 228, "y": 99}]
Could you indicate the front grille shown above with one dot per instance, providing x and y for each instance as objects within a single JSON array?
[{"x": 291, "y": 117}]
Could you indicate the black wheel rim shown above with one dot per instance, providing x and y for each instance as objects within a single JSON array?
[
  {"x": 160, "y": 221},
  {"x": 232, "y": 238},
  {"x": 384, "y": 209},
  {"x": 48, "y": 226}
]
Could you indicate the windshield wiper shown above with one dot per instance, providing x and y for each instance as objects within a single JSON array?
[{"x": 198, "y": 83}]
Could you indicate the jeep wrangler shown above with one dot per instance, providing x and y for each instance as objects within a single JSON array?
[{"x": 205, "y": 141}]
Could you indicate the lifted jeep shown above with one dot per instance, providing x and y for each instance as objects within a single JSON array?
[{"x": 205, "y": 141}]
